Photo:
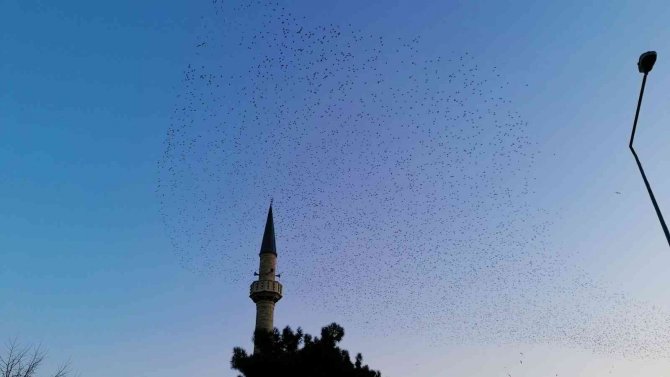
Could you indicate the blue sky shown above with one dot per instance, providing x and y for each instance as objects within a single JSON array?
[{"x": 89, "y": 269}]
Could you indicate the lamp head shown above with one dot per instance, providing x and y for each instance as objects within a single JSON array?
[{"x": 646, "y": 62}]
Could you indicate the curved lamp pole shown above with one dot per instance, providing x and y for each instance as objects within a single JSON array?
[{"x": 644, "y": 65}]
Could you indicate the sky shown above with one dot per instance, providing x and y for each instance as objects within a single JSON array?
[{"x": 112, "y": 259}]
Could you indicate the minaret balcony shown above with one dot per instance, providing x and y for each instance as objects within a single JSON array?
[{"x": 265, "y": 290}]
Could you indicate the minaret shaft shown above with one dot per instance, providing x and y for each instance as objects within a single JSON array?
[
  {"x": 265, "y": 311},
  {"x": 267, "y": 267}
]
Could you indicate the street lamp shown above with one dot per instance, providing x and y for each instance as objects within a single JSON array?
[{"x": 644, "y": 65}]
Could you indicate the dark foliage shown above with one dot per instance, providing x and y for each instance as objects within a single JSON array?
[{"x": 281, "y": 354}]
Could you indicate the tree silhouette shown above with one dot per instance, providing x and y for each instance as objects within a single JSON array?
[
  {"x": 280, "y": 353},
  {"x": 20, "y": 361}
]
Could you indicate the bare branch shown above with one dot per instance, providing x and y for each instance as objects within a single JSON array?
[
  {"x": 20, "y": 361},
  {"x": 63, "y": 370}
]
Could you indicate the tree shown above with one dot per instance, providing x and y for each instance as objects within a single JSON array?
[
  {"x": 281, "y": 354},
  {"x": 24, "y": 361}
]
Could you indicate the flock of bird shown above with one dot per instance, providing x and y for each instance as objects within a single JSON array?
[{"x": 402, "y": 181}]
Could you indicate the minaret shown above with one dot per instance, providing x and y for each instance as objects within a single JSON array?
[{"x": 266, "y": 291}]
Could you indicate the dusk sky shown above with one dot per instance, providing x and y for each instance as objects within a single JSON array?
[{"x": 141, "y": 142}]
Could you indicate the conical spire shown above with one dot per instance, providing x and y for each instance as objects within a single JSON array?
[{"x": 268, "y": 245}]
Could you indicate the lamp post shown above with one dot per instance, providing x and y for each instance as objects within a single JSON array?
[{"x": 644, "y": 65}]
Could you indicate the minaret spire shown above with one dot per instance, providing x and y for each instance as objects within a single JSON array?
[
  {"x": 266, "y": 291},
  {"x": 269, "y": 245}
]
